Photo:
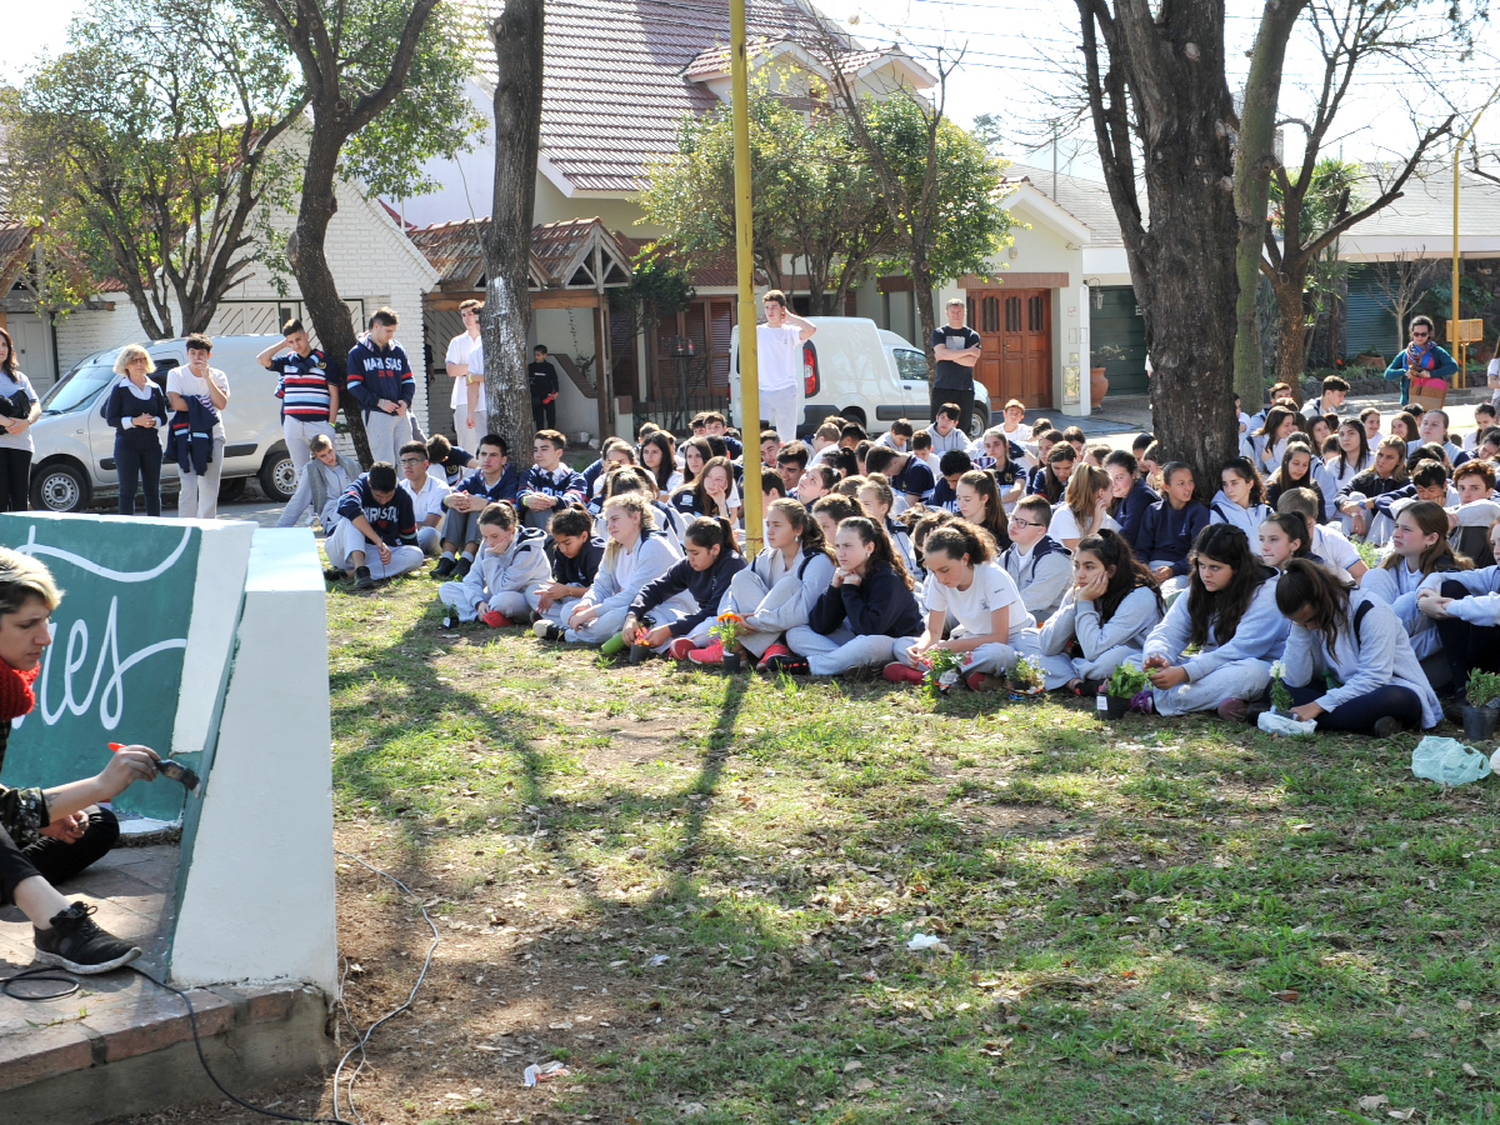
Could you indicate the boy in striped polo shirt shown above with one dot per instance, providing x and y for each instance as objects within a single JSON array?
[{"x": 309, "y": 402}]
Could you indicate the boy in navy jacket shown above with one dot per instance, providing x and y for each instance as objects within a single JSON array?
[
  {"x": 381, "y": 381},
  {"x": 493, "y": 480},
  {"x": 549, "y": 484},
  {"x": 377, "y": 534}
]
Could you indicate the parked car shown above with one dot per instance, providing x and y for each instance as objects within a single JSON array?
[
  {"x": 864, "y": 373},
  {"x": 74, "y": 461}
]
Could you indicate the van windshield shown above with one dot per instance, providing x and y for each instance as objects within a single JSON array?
[{"x": 80, "y": 386}]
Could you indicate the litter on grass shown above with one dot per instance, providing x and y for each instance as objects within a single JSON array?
[
  {"x": 920, "y": 941},
  {"x": 544, "y": 1073},
  {"x": 1448, "y": 761}
]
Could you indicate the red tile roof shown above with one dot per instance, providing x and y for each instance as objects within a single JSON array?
[
  {"x": 615, "y": 91},
  {"x": 558, "y": 251}
]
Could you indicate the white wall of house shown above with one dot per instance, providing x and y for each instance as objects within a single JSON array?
[{"x": 372, "y": 260}]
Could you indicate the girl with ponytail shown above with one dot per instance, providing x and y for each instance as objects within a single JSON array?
[
  {"x": 965, "y": 582},
  {"x": 684, "y": 600},
  {"x": 778, "y": 590}
]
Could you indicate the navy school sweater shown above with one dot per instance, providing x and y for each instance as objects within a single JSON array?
[
  {"x": 581, "y": 568},
  {"x": 394, "y": 522},
  {"x": 879, "y": 606},
  {"x": 706, "y": 587},
  {"x": 1167, "y": 534}
]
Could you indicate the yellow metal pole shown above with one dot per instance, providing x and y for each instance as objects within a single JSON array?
[{"x": 739, "y": 76}]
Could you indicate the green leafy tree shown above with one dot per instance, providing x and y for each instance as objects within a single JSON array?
[
  {"x": 147, "y": 150},
  {"x": 939, "y": 184},
  {"x": 815, "y": 198},
  {"x": 384, "y": 82}
]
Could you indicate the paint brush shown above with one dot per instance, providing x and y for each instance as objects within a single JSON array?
[{"x": 168, "y": 768}]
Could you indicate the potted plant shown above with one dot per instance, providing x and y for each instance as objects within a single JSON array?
[
  {"x": 726, "y": 630},
  {"x": 641, "y": 650},
  {"x": 1281, "y": 695},
  {"x": 1483, "y": 707},
  {"x": 1121, "y": 689},
  {"x": 1026, "y": 678},
  {"x": 1098, "y": 383},
  {"x": 944, "y": 667}
]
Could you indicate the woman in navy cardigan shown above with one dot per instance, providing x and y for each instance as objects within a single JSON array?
[{"x": 137, "y": 409}]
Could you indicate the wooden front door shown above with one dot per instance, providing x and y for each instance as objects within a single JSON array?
[{"x": 1015, "y": 329}]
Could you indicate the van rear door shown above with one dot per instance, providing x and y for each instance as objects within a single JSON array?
[{"x": 911, "y": 372}]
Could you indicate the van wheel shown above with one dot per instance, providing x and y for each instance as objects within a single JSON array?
[
  {"x": 231, "y": 490},
  {"x": 979, "y": 422},
  {"x": 278, "y": 476},
  {"x": 59, "y": 487},
  {"x": 854, "y": 414}
]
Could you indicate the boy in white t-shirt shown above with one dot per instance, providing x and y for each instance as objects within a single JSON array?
[
  {"x": 427, "y": 491},
  {"x": 1337, "y": 553},
  {"x": 465, "y": 364},
  {"x": 778, "y": 344},
  {"x": 199, "y": 498}
]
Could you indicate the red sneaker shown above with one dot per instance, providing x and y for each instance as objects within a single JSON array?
[
  {"x": 713, "y": 654},
  {"x": 899, "y": 673},
  {"x": 980, "y": 681},
  {"x": 679, "y": 649},
  {"x": 774, "y": 650},
  {"x": 497, "y": 620}
]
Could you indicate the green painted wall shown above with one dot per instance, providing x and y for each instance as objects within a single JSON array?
[
  {"x": 1119, "y": 323},
  {"x": 114, "y": 671}
]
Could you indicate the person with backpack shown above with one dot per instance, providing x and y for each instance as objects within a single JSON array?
[{"x": 1349, "y": 664}]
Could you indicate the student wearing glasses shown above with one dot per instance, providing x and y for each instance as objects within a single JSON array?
[{"x": 1423, "y": 366}]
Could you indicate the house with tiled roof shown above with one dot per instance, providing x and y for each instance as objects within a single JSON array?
[{"x": 619, "y": 78}]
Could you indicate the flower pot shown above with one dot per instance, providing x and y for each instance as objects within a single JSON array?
[
  {"x": 1115, "y": 706},
  {"x": 639, "y": 653},
  {"x": 1479, "y": 722},
  {"x": 731, "y": 661},
  {"x": 1098, "y": 386}
]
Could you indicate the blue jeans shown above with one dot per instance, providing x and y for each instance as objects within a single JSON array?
[{"x": 143, "y": 466}]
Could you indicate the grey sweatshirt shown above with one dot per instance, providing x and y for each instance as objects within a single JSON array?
[{"x": 1133, "y": 620}]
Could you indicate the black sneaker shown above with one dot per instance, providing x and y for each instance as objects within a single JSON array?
[
  {"x": 77, "y": 943},
  {"x": 789, "y": 664},
  {"x": 362, "y": 579},
  {"x": 464, "y": 566},
  {"x": 444, "y": 568},
  {"x": 334, "y": 574},
  {"x": 547, "y": 630}
]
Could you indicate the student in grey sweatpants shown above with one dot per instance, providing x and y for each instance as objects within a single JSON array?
[
  {"x": 511, "y": 563},
  {"x": 1107, "y": 614},
  {"x": 1224, "y": 675},
  {"x": 777, "y": 591},
  {"x": 636, "y": 554}
]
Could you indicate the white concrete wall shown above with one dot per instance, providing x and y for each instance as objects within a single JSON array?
[{"x": 257, "y": 900}]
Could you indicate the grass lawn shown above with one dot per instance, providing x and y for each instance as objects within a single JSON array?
[{"x": 1147, "y": 921}]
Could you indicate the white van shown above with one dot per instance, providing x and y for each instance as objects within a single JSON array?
[
  {"x": 861, "y": 372},
  {"x": 74, "y": 461}
]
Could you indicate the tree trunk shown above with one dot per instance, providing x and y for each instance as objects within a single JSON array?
[
  {"x": 921, "y": 279},
  {"x": 507, "y": 246},
  {"x": 1292, "y": 335},
  {"x": 1252, "y": 187},
  {"x": 320, "y": 293},
  {"x": 1165, "y": 91}
]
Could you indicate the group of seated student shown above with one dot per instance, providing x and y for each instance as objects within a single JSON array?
[{"x": 1026, "y": 542}]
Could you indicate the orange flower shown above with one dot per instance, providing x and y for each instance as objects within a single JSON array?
[{"x": 734, "y": 618}]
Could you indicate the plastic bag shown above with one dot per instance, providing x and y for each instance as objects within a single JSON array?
[
  {"x": 1448, "y": 761},
  {"x": 1273, "y": 722}
]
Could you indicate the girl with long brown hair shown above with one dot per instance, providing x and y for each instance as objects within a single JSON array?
[{"x": 1229, "y": 616}]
